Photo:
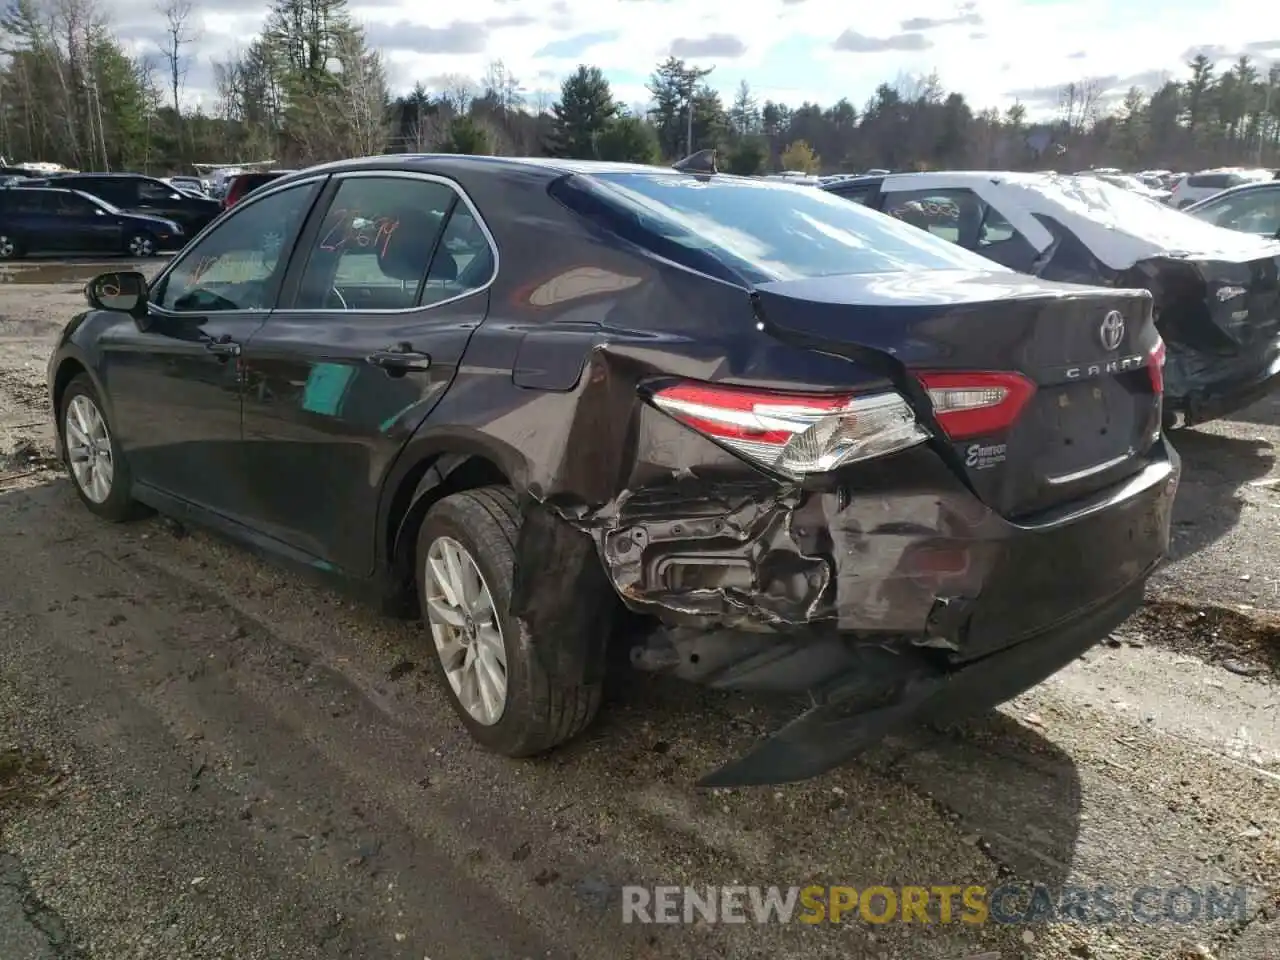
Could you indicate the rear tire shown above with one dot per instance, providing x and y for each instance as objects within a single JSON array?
[
  {"x": 80, "y": 403},
  {"x": 540, "y": 710}
]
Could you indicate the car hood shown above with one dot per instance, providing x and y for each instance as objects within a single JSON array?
[{"x": 1121, "y": 228}]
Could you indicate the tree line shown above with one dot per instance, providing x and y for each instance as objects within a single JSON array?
[{"x": 309, "y": 88}]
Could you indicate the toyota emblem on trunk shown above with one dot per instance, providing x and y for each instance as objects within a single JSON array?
[{"x": 1112, "y": 330}]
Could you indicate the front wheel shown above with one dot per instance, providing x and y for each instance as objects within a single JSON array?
[
  {"x": 505, "y": 695},
  {"x": 98, "y": 471},
  {"x": 140, "y": 245},
  {"x": 10, "y": 248}
]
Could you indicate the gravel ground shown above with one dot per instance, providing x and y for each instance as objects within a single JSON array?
[{"x": 204, "y": 756}]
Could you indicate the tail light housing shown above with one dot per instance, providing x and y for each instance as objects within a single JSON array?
[
  {"x": 975, "y": 404},
  {"x": 794, "y": 434},
  {"x": 1155, "y": 366}
]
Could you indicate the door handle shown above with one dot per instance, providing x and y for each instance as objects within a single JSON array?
[
  {"x": 223, "y": 347},
  {"x": 400, "y": 358}
]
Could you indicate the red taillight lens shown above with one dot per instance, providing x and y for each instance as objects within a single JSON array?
[
  {"x": 974, "y": 404},
  {"x": 794, "y": 434},
  {"x": 1155, "y": 366}
]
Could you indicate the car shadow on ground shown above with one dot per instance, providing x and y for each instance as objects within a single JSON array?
[{"x": 1214, "y": 468}]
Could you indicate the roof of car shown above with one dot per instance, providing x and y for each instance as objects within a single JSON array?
[{"x": 554, "y": 166}]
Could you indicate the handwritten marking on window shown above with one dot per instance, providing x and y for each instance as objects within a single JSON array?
[
  {"x": 352, "y": 230},
  {"x": 202, "y": 268}
]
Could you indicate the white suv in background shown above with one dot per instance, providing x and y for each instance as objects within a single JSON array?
[{"x": 1200, "y": 186}]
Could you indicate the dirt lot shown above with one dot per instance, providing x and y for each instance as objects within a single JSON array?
[{"x": 203, "y": 756}]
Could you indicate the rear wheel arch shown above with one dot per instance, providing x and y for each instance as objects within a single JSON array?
[{"x": 430, "y": 480}]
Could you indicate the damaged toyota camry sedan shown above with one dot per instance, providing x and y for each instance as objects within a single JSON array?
[
  {"x": 758, "y": 436},
  {"x": 1216, "y": 291}
]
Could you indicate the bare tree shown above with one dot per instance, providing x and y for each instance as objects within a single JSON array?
[
  {"x": 1078, "y": 103},
  {"x": 178, "y": 35},
  {"x": 457, "y": 92}
]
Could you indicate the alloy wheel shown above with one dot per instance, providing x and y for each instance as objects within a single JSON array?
[
  {"x": 89, "y": 448},
  {"x": 7, "y": 247},
  {"x": 141, "y": 246},
  {"x": 466, "y": 630}
]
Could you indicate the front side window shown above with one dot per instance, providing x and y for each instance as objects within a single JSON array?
[
  {"x": 392, "y": 243},
  {"x": 761, "y": 231},
  {"x": 1255, "y": 211},
  {"x": 239, "y": 264}
]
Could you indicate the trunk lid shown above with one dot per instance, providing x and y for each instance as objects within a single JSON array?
[{"x": 1094, "y": 414}]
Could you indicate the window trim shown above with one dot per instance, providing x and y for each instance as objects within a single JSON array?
[
  {"x": 163, "y": 275},
  {"x": 453, "y": 185}
]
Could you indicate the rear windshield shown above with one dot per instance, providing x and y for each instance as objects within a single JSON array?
[{"x": 764, "y": 231}]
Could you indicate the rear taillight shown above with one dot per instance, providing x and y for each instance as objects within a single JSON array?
[
  {"x": 794, "y": 434},
  {"x": 1155, "y": 366},
  {"x": 974, "y": 404}
]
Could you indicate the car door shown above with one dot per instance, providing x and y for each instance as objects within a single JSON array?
[
  {"x": 382, "y": 299},
  {"x": 31, "y": 217},
  {"x": 174, "y": 380},
  {"x": 83, "y": 226}
]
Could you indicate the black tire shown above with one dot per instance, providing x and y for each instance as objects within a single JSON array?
[
  {"x": 542, "y": 711},
  {"x": 10, "y": 247},
  {"x": 138, "y": 242},
  {"x": 119, "y": 506}
]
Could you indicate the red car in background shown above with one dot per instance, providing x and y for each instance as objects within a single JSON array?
[{"x": 243, "y": 184}]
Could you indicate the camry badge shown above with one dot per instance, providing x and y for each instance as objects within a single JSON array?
[{"x": 1112, "y": 330}]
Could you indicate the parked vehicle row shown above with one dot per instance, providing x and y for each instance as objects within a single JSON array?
[
  {"x": 763, "y": 437},
  {"x": 1215, "y": 290},
  {"x": 127, "y": 214}
]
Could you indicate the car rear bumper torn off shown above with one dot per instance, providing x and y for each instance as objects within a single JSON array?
[{"x": 883, "y": 610}]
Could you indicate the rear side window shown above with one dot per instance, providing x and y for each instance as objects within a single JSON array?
[
  {"x": 393, "y": 243},
  {"x": 1212, "y": 181},
  {"x": 759, "y": 231}
]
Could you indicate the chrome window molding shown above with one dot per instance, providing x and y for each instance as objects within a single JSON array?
[
  {"x": 399, "y": 311},
  {"x": 182, "y": 255}
]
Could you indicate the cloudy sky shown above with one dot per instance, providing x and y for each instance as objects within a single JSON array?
[{"x": 992, "y": 50}]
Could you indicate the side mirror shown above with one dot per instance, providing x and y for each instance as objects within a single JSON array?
[
  {"x": 99, "y": 211},
  {"x": 124, "y": 292}
]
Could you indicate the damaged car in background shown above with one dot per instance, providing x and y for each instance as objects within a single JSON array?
[
  {"x": 759, "y": 437},
  {"x": 1216, "y": 291}
]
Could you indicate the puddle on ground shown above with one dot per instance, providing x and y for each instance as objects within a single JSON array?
[{"x": 68, "y": 271}]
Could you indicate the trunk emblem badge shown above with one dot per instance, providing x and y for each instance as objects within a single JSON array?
[{"x": 1112, "y": 330}]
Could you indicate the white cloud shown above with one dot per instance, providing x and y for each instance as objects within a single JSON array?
[{"x": 983, "y": 48}]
